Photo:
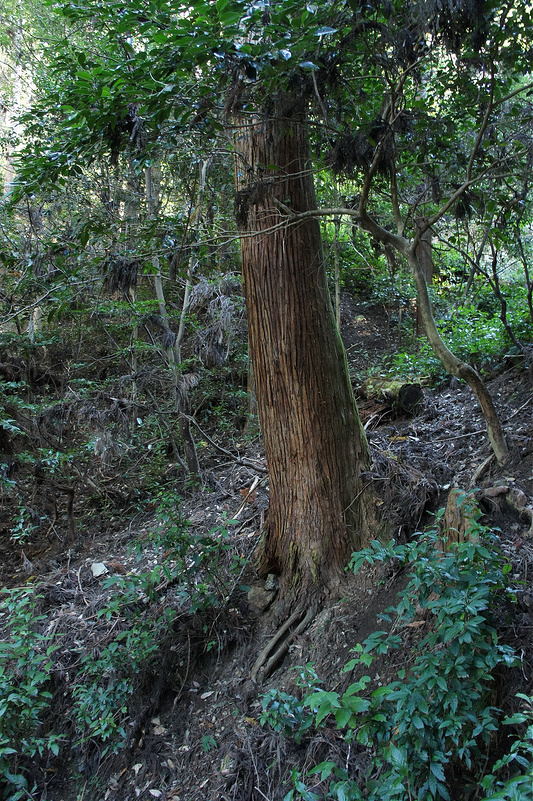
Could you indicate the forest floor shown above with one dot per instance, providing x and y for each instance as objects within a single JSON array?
[{"x": 196, "y": 734}]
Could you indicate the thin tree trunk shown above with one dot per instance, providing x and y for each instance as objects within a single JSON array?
[
  {"x": 337, "y": 276},
  {"x": 180, "y": 392},
  {"x": 8, "y": 122},
  {"x": 130, "y": 220},
  {"x": 425, "y": 260},
  {"x": 196, "y": 223},
  {"x": 449, "y": 361},
  {"x": 529, "y": 282},
  {"x": 315, "y": 445},
  {"x": 456, "y": 366}
]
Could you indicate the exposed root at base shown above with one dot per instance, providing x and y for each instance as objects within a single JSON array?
[{"x": 279, "y": 644}]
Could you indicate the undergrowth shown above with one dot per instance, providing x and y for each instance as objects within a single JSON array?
[
  {"x": 437, "y": 720},
  {"x": 473, "y": 334},
  {"x": 125, "y": 638}
]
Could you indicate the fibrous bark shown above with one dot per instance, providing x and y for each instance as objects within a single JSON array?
[{"x": 315, "y": 446}]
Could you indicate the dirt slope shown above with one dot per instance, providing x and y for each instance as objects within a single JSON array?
[{"x": 195, "y": 732}]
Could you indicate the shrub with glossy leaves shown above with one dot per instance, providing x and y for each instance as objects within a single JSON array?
[{"x": 438, "y": 714}]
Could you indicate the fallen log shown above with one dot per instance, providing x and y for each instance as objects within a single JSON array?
[{"x": 393, "y": 395}]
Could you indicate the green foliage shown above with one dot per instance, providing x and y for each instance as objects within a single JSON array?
[
  {"x": 475, "y": 336},
  {"x": 391, "y": 290},
  {"x": 188, "y": 578},
  {"x": 101, "y": 686},
  {"x": 25, "y": 666},
  {"x": 22, "y": 525},
  {"x": 195, "y": 562},
  {"x": 106, "y": 680},
  {"x": 287, "y": 714},
  {"x": 208, "y": 743},
  {"x": 520, "y": 756},
  {"x": 438, "y": 712},
  {"x": 191, "y": 566}
]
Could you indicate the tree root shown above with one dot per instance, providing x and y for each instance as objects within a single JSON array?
[{"x": 271, "y": 655}]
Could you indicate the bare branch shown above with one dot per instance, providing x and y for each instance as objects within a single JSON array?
[{"x": 481, "y": 132}]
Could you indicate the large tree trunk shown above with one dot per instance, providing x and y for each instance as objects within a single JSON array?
[{"x": 315, "y": 445}]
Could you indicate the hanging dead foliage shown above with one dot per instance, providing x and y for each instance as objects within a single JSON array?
[
  {"x": 157, "y": 323},
  {"x": 200, "y": 294},
  {"x": 405, "y": 48},
  {"x": 356, "y": 151},
  {"x": 351, "y": 152},
  {"x": 463, "y": 207},
  {"x": 131, "y": 126},
  {"x": 220, "y": 308},
  {"x": 121, "y": 274},
  {"x": 212, "y": 343},
  {"x": 105, "y": 448},
  {"x": 184, "y": 384},
  {"x": 252, "y": 195},
  {"x": 457, "y": 21}
]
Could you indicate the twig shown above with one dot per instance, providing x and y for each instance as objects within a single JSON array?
[
  {"x": 255, "y": 483},
  {"x": 357, "y": 496},
  {"x": 246, "y": 523},
  {"x": 243, "y": 568},
  {"x": 480, "y": 470},
  {"x": 85, "y": 601},
  {"x": 185, "y": 677},
  {"x": 460, "y": 436},
  {"x": 521, "y": 407},
  {"x": 238, "y": 459},
  {"x": 256, "y": 787},
  {"x": 175, "y": 450}
]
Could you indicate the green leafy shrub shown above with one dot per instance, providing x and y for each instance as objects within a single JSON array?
[
  {"x": 474, "y": 335},
  {"x": 25, "y": 665},
  {"x": 105, "y": 678},
  {"x": 196, "y": 562},
  {"x": 438, "y": 713},
  {"x": 22, "y": 525},
  {"x": 520, "y": 786},
  {"x": 287, "y": 714}
]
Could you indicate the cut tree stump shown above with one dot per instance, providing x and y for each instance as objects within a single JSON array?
[{"x": 460, "y": 518}]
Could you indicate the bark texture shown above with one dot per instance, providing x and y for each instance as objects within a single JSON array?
[{"x": 315, "y": 446}]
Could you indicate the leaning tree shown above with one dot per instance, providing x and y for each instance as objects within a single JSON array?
[{"x": 438, "y": 139}]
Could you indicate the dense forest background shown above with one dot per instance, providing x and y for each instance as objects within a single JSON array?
[{"x": 266, "y": 311}]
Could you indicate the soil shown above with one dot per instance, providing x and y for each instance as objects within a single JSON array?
[{"x": 194, "y": 718}]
